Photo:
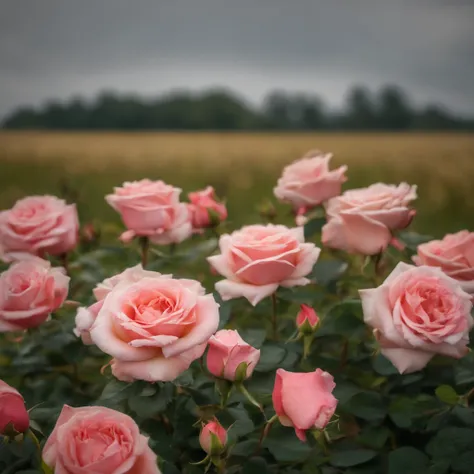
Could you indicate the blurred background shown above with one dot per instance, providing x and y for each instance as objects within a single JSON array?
[{"x": 226, "y": 93}]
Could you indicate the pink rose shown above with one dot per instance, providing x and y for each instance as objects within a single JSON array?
[
  {"x": 85, "y": 317},
  {"x": 151, "y": 209},
  {"x": 304, "y": 400},
  {"x": 454, "y": 255},
  {"x": 308, "y": 316},
  {"x": 154, "y": 326},
  {"x": 308, "y": 182},
  {"x": 227, "y": 350},
  {"x": 203, "y": 203},
  {"x": 13, "y": 412},
  {"x": 416, "y": 313},
  {"x": 98, "y": 440},
  {"x": 364, "y": 220},
  {"x": 30, "y": 290},
  {"x": 213, "y": 438},
  {"x": 38, "y": 225},
  {"x": 256, "y": 259}
]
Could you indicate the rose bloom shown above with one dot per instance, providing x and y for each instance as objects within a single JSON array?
[
  {"x": 85, "y": 317},
  {"x": 153, "y": 325},
  {"x": 13, "y": 412},
  {"x": 151, "y": 209},
  {"x": 304, "y": 400},
  {"x": 202, "y": 202},
  {"x": 454, "y": 254},
  {"x": 205, "y": 438},
  {"x": 38, "y": 225},
  {"x": 416, "y": 313},
  {"x": 308, "y": 182},
  {"x": 256, "y": 259},
  {"x": 30, "y": 290},
  {"x": 98, "y": 440},
  {"x": 227, "y": 350},
  {"x": 363, "y": 220}
]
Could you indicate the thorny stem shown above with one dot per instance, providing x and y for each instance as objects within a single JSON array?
[
  {"x": 266, "y": 429},
  {"x": 274, "y": 317}
]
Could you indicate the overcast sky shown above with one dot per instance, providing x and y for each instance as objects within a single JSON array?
[{"x": 57, "y": 48}]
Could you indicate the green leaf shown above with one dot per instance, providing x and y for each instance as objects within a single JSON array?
[
  {"x": 447, "y": 394},
  {"x": 245, "y": 448},
  {"x": 383, "y": 366},
  {"x": 271, "y": 355},
  {"x": 241, "y": 423},
  {"x": 402, "y": 411},
  {"x": 351, "y": 457},
  {"x": 368, "y": 406},
  {"x": 374, "y": 436},
  {"x": 449, "y": 443},
  {"x": 285, "y": 446},
  {"x": 147, "y": 407},
  {"x": 464, "y": 414},
  {"x": 464, "y": 464},
  {"x": 313, "y": 227},
  {"x": 407, "y": 460},
  {"x": 255, "y": 465},
  {"x": 464, "y": 370},
  {"x": 116, "y": 391},
  {"x": 326, "y": 271},
  {"x": 254, "y": 337}
]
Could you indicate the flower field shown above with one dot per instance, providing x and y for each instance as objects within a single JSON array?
[{"x": 236, "y": 304}]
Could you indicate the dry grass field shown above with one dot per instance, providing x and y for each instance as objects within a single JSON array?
[{"x": 242, "y": 167}]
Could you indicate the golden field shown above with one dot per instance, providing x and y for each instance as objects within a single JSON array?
[{"x": 242, "y": 167}]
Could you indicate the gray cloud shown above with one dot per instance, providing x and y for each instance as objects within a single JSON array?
[{"x": 55, "y": 48}]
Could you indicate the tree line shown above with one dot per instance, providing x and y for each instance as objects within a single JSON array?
[{"x": 387, "y": 109}]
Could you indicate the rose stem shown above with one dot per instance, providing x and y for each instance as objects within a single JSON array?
[
  {"x": 274, "y": 317},
  {"x": 145, "y": 245}
]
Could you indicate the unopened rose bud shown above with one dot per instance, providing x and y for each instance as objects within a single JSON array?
[
  {"x": 307, "y": 320},
  {"x": 213, "y": 438},
  {"x": 13, "y": 415},
  {"x": 205, "y": 210},
  {"x": 230, "y": 357}
]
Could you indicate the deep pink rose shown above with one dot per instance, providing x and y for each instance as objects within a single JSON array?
[
  {"x": 203, "y": 203},
  {"x": 256, "y": 259},
  {"x": 416, "y": 313},
  {"x": 308, "y": 182},
  {"x": 38, "y": 225},
  {"x": 151, "y": 209},
  {"x": 13, "y": 412},
  {"x": 227, "y": 350},
  {"x": 454, "y": 254},
  {"x": 307, "y": 315},
  {"x": 154, "y": 326},
  {"x": 98, "y": 440},
  {"x": 216, "y": 446},
  {"x": 304, "y": 400},
  {"x": 364, "y": 220},
  {"x": 30, "y": 290}
]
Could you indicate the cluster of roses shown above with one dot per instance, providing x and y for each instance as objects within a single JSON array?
[{"x": 154, "y": 326}]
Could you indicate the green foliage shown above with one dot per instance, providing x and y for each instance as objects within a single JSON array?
[{"x": 385, "y": 422}]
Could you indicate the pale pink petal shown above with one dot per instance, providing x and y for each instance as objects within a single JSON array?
[{"x": 229, "y": 289}]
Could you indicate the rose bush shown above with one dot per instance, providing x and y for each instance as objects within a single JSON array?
[{"x": 253, "y": 352}]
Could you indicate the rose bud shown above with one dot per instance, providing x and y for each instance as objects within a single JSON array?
[
  {"x": 230, "y": 357},
  {"x": 205, "y": 210},
  {"x": 307, "y": 320},
  {"x": 304, "y": 400},
  {"x": 13, "y": 415},
  {"x": 213, "y": 438}
]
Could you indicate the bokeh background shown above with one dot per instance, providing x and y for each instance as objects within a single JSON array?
[{"x": 226, "y": 93}]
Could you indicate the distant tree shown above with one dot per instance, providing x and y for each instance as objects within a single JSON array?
[
  {"x": 393, "y": 108},
  {"x": 359, "y": 112},
  {"x": 221, "y": 109}
]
